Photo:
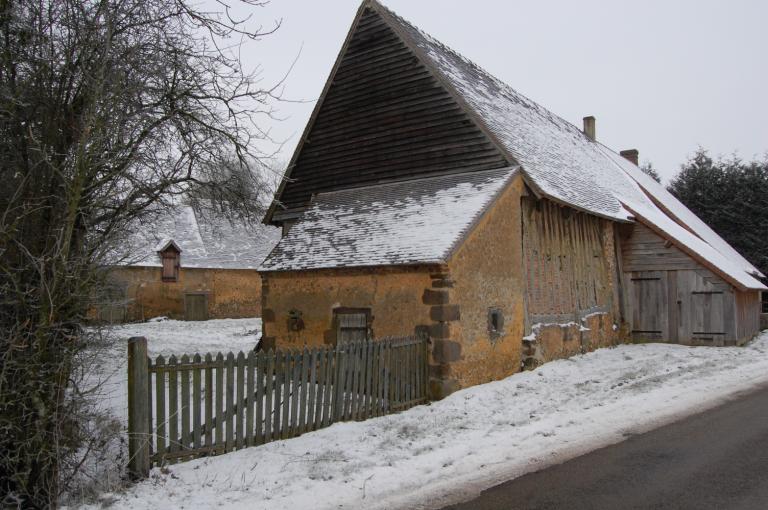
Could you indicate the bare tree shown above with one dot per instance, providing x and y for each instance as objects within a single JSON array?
[{"x": 107, "y": 109}]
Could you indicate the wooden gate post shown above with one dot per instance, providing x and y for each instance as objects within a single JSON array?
[{"x": 138, "y": 408}]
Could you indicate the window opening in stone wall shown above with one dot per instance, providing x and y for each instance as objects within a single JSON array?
[
  {"x": 352, "y": 324},
  {"x": 495, "y": 323}
]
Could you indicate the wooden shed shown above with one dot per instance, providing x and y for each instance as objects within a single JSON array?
[{"x": 674, "y": 297}]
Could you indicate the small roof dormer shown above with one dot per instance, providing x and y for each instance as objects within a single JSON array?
[
  {"x": 170, "y": 255},
  {"x": 165, "y": 244}
]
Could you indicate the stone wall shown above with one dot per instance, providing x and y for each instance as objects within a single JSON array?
[
  {"x": 484, "y": 274},
  {"x": 452, "y": 302},
  {"x": 298, "y": 306},
  {"x": 232, "y": 293}
]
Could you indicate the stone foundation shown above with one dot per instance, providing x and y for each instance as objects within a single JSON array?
[{"x": 549, "y": 342}]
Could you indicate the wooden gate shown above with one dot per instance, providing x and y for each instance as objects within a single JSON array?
[{"x": 191, "y": 406}]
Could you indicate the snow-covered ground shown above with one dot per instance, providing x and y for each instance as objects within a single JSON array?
[
  {"x": 105, "y": 378},
  {"x": 167, "y": 337},
  {"x": 432, "y": 455}
]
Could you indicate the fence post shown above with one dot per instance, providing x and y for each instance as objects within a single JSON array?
[{"x": 138, "y": 412}]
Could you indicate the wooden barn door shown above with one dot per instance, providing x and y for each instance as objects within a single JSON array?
[
  {"x": 648, "y": 296},
  {"x": 705, "y": 308},
  {"x": 196, "y": 307}
]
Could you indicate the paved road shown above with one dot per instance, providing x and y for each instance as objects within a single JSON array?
[{"x": 714, "y": 460}]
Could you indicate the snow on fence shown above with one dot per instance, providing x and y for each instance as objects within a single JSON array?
[{"x": 194, "y": 406}]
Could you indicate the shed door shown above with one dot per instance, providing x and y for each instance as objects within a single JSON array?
[
  {"x": 196, "y": 307},
  {"x": 703, "y": 316},
  {"x": 705, "y": 308},
  {"x": 648, "y": 294}
]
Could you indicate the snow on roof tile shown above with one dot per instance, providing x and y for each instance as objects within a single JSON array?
[
  {"x": 562, "y": 163},
  {"x": 671, "y": 204},
  {"x": 410, "y": 222},
  {"x": 205, "y": 241},
  {"x": 641, "y": 205},
  {"x": 553, "y": 153}
]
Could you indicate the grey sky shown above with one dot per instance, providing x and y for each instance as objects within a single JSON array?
[{"x": 663, "y": 77}]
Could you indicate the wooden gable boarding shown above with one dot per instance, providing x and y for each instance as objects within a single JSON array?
[{"x": 382, "y": 117}]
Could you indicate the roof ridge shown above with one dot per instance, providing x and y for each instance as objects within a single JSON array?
[{"x": 432, "y": 40}]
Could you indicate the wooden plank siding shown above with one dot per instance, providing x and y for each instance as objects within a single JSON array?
[
  {"x": 383, "y": 118},
  {"x": 645, "y": 250},
  {"x": 748, "y": 308},
  {"x": 673, "y": 298}
]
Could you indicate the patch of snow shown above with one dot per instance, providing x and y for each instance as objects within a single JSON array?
[
  {"x": 205, "y": 240},
  {"x": 540, "y": 325},
  {"x": 104, "y": 366},
  {"x": 646, "y": 211},
  {"x": 537, "y": 326},
  {"x": 593, "y": 314},
  {"x": 443, "y": 452},
  {"x": 682, "y": 213}
]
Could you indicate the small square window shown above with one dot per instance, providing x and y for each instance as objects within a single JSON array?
[
  {"x": 495, "y": 323},
  {"x": 352, "y": 324}
]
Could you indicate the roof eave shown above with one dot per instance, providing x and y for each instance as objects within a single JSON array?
[
  {"x": 467, "y": 232},
  {"x": 692, "y": 253},
  {"x": 470, "y": 112},
  {"x": 362, "y": 267}
]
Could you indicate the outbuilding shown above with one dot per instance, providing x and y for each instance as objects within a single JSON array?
[{"x": 187, "y": 264}]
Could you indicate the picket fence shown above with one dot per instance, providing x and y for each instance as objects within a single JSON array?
[{"x": 191, "y": 406}]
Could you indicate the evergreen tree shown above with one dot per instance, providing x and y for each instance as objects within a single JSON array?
[
  {"x": 648, "y": 169},
  {"x": 731, "y": 196}
]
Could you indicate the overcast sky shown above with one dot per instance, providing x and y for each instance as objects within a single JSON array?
[{"x": 664, "y": 77}]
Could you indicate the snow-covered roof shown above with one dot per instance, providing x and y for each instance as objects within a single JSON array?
[
  {"x": 556, "y": 158},
  {"x": 639, "y": 202},
  {"x": 205, "y": 240},
  {"x": 410, "y": 222},
  {"x": 667, "y": 202},
  {"x": 560, "y": 162}
]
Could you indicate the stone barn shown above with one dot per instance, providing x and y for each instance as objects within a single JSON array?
[
  {"x": 188, "y": 265},
  {"x": 427, "y": 197}
]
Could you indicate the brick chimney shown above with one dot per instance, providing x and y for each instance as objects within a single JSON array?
[
  {"x": 631, "y": 155},
  {"x": 589, "y": 127}
]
